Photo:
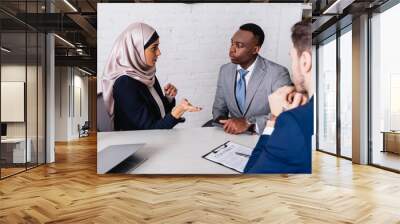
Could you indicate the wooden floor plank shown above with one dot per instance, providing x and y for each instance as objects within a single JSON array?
[{"x": 70, "y": 191}]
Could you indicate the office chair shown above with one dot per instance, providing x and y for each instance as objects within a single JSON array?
[{"x": 84, "y": 130}]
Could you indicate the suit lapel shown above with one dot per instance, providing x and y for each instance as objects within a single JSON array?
[
  {"x": 151, "y": 101},
  {"x": 256, "y": 79},
  {"x": 158, "y": 89}
]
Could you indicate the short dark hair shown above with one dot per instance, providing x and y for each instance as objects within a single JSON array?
[
  {"x": 152, "y": 39},
  {"x": 302, "y": 36},
  {"x": 256, "y": 30}
]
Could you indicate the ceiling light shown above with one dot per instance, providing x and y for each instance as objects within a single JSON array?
[
  {"x": 5, "y": 50},
  {"x": 84, "y": 71},
  {"x": 64, "y": 40},
  {"x": 338, "y": 6},
  {"x": 70, "y": 5}
]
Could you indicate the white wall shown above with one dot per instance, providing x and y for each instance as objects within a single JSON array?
[
  {"x": 80, "y": 84},
  {"x": 17, "y": 73},
  {"x": 195, "y": 40},
  {"x": 33, "y": 126},
  {"x": 14, "y": 72},
  {"x": 67, "y": 116},
  {"x": 62, "y": 81}
]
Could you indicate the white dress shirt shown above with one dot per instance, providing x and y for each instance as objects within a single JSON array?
[
  {"x": 247, "y": 77},
  {"x": 268, "y": 131}
]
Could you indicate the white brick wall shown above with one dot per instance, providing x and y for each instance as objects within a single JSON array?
[{"x": 195, "y": 40}]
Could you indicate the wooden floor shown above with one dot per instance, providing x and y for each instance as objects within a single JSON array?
[
  {"x": 10, "y": 171},
  {"x": 70, "y": 191},
  {"x": 387, "y": 159}
]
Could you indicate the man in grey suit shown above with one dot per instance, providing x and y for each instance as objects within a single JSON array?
[{"x": 241, "y": 101}]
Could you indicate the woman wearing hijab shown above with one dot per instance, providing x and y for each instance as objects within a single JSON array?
[{"x": 132, "y": 94}]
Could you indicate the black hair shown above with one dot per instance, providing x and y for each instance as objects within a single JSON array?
[
  {"x": 256, "y": 30},
  {"x": 152, "y": 39}
]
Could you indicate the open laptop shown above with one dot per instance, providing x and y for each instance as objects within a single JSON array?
[{"x": 120, "y": 158}]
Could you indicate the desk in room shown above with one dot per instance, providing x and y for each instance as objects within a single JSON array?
[
  {"x": 14, "y": 150},
  {"x": 176, "y": 151},
  {"x": 391, "y": 141}
]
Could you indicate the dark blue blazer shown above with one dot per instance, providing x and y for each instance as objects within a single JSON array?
[
  {"x": 136, "y": 109},
  {"x": 288, "y": 148}
]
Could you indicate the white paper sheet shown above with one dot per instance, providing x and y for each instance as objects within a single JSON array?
[{"x": 231, "y": 155}]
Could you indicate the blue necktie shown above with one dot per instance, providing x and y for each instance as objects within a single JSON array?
[{"x": 241, "y": 89}]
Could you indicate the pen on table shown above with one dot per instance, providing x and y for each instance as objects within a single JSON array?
[
  {"x": 242, "y": 154},
  {"x": 217, "y": 149}
]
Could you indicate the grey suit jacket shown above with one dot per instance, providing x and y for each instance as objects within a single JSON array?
[{"x": 266, "y": 78}]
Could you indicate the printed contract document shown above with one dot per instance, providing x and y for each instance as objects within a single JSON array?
[{"x": 231, "y": 155}]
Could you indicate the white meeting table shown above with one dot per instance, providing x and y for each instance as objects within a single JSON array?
[{"x": 175, "y": 151}]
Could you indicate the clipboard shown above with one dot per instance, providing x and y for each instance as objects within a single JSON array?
[{"x": 244, "y": 156}]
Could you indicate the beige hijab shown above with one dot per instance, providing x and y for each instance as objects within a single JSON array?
[{"x": 127, "y": 58}]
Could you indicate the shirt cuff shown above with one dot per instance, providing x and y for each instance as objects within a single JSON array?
[
  {"x": 257, "y": 130},
  {"x": 170, "y": 98},
  {"x": 268, "y": 131}
]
